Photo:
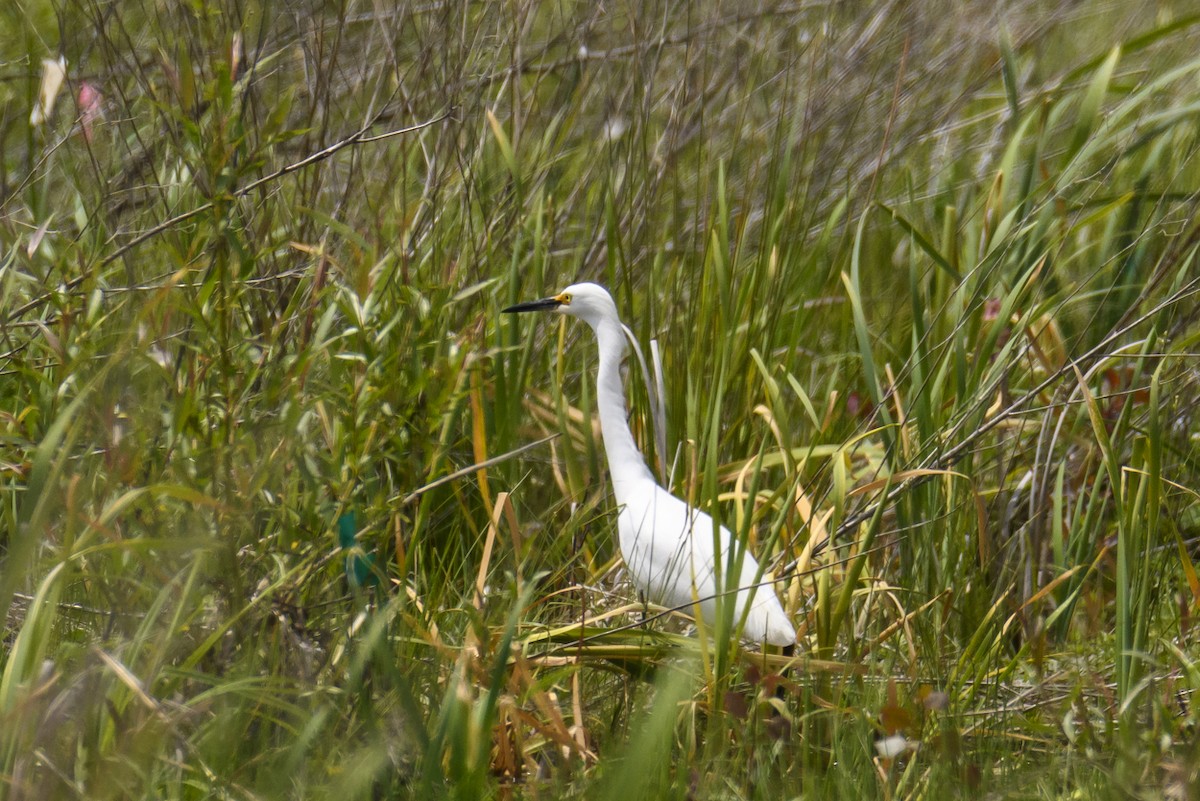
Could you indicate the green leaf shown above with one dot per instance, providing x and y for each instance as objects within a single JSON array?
[
  {"x": 922, "y": 241},
  {"x": 1089, "y": 107}
]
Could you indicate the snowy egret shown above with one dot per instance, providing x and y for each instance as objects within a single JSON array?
[{"x": 668, "y": 546}]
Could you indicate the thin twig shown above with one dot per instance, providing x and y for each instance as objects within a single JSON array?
[
  {"x": 466, "y": 471},
  {"x": 358, "y": 137},
  {"x": 951, "y": 456}
]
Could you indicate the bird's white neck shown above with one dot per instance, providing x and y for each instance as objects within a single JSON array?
[{"x": 625, "y": 462}]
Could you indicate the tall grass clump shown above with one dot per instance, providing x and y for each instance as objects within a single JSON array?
[{"x": 289, "y": 511}]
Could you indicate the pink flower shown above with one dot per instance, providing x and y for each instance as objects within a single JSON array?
[{"x": 90, "y": 110}]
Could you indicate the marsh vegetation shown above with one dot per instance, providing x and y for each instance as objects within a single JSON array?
[{"x": 921, "y": 280}]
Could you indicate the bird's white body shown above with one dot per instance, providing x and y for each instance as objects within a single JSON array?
[{"x": 669, "y": 548}]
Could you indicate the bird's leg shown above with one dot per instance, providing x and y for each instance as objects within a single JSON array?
[
  {"x": 778, "y": 726},
  {"x": 788, "y": 651},
  {"x": 645, "y": 606}
]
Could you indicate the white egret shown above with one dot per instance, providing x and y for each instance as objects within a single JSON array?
[{"x": 668, "y": 546}]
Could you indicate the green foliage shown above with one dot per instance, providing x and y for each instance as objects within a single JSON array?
[{"x": 922, "y": 283}]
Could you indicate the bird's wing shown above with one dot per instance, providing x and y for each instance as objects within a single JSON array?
[
  {"x": 670, "y": 547},
  {"x": 757, "y": 607},
  {"x": 669, "y": 550}
]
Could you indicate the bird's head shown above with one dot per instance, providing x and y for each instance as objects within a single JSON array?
[{"x": 589, "y": 302}]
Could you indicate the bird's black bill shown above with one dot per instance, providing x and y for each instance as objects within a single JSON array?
[{"x": 545, "y": 304}]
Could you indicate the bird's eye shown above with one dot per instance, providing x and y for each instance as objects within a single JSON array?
[{"x": 565, "y": 298}]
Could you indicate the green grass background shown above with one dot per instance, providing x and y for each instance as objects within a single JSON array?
[{"x": 922, "y": 282}]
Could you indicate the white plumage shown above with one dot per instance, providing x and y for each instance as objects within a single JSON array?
[{"x": 668, "y": 547}]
